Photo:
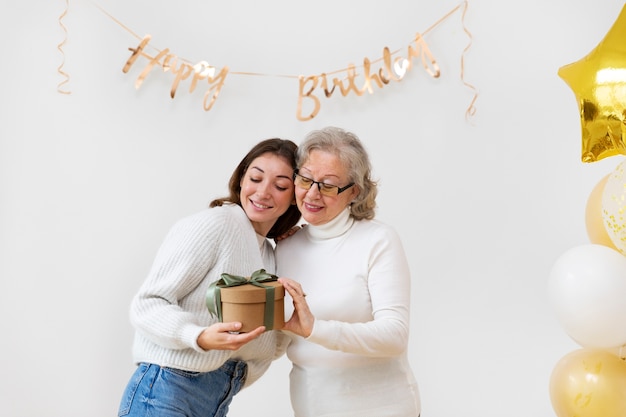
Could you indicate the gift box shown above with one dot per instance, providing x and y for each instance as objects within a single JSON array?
[
  {"x": 247, "y": 303},
  {"x": 254, "y": 301}
]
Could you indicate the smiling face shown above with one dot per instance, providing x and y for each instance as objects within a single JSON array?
[
  {"x": 318, "y": 209},
  {"x": 267, "y": 191}
]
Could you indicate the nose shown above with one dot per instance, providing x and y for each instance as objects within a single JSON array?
[
  {"x": 263, "y": 188},
  {"x": 316, "y": 187}
]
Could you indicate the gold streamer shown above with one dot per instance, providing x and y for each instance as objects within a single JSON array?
[
  {"x": 60, "y": 48},
  {"x": 471, "y": 109}
]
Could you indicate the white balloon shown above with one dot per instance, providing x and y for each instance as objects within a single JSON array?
[{"x": 587, "y": 288}]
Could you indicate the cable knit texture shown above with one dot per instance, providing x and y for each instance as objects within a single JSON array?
[
  {"x": 357, "y": 280},
  {"x": 169, "y": 312}
]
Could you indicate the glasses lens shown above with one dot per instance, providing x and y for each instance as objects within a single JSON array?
[
  {"x": 328, "y": 189},
  {"x": 324, "y": 189},
  {"x": 303, "y": 182}
]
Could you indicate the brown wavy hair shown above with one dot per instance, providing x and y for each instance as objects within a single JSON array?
[{"x": 283, "y": 148}]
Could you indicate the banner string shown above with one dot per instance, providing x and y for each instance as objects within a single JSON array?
[{"x": 441, "y": 20}]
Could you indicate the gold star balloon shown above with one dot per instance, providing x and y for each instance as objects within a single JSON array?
[{"x": 599, "y": 83}]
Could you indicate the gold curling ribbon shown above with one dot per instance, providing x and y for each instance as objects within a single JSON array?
[
  {"x": 60, "y": 48},
  {"x": 471, "y": 109}
]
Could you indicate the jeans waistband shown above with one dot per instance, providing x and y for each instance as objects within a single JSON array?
[{"x": 234, "y": 368}]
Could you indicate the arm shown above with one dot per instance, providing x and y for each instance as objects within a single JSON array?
[
  {"x": 184, "y": 258},
  {"x": 170, "y": 307},
  {"x": 388, "y": 286}
]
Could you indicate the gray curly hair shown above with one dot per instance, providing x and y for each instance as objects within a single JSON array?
[{"x": 352, "y": 154}]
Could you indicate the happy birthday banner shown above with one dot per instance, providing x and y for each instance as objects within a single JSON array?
[{"x": 392, "y": 66}]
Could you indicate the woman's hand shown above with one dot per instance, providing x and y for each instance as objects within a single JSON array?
[
  {"x": 302, "y": 320},
  {"x": 220, "y": 336}
]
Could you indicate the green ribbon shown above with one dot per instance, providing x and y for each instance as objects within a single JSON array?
[{"x": 214, "y": 297}]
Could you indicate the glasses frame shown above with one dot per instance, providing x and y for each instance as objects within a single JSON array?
[{"x": 319, "y": 185}]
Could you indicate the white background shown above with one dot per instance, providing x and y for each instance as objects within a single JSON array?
[{"x": 90, "y": 182}]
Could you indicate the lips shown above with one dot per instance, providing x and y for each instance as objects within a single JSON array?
[
  {"x": 312, "y": 207},
  {"x": 259, "y": 206}
]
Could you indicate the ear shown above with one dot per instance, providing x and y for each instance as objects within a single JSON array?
[{"x": 355, "y": 191}]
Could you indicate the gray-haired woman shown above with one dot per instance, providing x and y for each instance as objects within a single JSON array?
[{"x": 349, "y": 336}]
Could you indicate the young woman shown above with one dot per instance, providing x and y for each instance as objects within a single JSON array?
[{"x": 188, "y": 363}]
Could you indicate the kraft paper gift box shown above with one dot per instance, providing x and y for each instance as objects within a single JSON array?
[{"x": 254, "y": 301}]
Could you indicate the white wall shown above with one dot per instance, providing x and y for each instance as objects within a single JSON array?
[{"x": 90, "y": 182}]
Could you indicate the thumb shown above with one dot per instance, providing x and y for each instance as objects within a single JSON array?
[{"x": 232, "y": 326}]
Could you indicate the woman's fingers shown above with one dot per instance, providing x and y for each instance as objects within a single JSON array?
[{"x": 293, "y": 288}]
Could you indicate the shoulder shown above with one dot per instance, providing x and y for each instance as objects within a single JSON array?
[
  {"x": 227, "y": 218},
  {"x": 375, "y": 233},
  {"x": 373, "y": 226},
  {"x": 300, "y": 237},
  {"x": 227, "y": 212}
]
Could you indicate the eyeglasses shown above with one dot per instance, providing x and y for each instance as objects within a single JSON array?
[{"x": 324, "y": 189}]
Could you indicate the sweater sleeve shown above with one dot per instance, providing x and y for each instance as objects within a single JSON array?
[
  {"x": 388, "y": 283},
  {"x": 188, "y": 252}
]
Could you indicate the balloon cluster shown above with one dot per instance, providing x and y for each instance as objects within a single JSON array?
[
  {"x": 587, "y": 288},
  {"x": 587, "y": 284}
]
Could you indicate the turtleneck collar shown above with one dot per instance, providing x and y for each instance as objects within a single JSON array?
[{"x": 336, "y": 227}]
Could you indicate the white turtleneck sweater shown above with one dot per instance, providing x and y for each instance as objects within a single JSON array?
[
  {"x": 357, "y": 281},
  {"x": 169, "y": 312}
]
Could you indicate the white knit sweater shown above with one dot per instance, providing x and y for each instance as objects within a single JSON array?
[
  {"x": 358, "y": 285},
  {"x": 169, "y": 312}
]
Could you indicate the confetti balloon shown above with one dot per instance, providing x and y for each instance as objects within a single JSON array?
[
  {"x": 614, "y": 207},
  {"x": 589, "y": 383},
  {"x": 599, "y": 83},
  {"x": 594, "y": 220}
]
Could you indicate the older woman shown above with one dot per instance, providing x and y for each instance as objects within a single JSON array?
[{"x": 349, "y": 336}]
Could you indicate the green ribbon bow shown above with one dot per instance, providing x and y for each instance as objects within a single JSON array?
[{"x": 214, "y": 297}]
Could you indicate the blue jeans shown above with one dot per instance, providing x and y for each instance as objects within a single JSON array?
[{"x": 167, "y": 392}]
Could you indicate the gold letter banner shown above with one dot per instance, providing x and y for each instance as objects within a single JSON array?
[{"x": 392, "y": 66}]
